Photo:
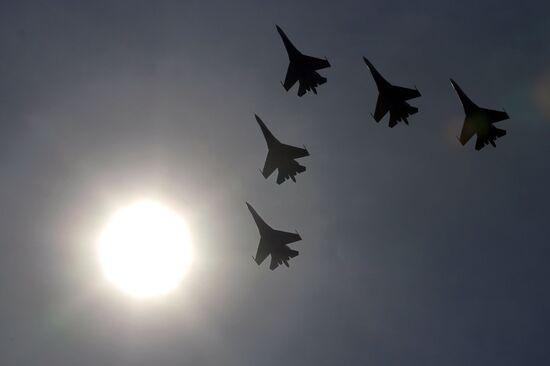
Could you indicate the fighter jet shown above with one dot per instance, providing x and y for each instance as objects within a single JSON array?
[
  {"x": 273, "y": 242},
  {"x": 392, "y": 99},
  {"x": 479, "y": 121},
  {"x": 281, "y": 157},
  {"x": 302, "y": 68}
]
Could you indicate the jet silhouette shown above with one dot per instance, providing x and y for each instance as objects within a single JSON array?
[
  {"x": 273, "y": 242},
  {"x": 281, "y": 157},
  {"x": 479, "y": 121},
  {"x": 392, "y": 99},
  {"x": 302, "y": 68}
]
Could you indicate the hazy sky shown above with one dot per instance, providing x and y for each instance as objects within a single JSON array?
[{"x": 416, "y": 250}]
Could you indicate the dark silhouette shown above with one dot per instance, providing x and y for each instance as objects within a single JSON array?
[
  {"x": 392, "y": 99},
  {"x": 302, "y": 68},
  {"x": 281, "y": 157},
  {"x": 479, "y": 121},
  {"x": 273, "y": 242}
]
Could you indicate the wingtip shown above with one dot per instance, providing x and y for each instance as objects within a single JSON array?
[
  {"x": 456, "y": 88},
  {"x": 367, "y": 62},
  {"x": 259, "y": 120},
  {"x": 370, "y": 65}
]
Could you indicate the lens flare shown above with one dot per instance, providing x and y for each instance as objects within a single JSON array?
[
  {"x": 144, "y": 249},
  {"x": 542, "y": 93}
]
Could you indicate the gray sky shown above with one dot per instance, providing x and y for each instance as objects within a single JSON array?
[{"x": 416, "y": 250}]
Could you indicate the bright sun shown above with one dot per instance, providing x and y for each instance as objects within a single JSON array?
[{"x": 144, "y": 249}]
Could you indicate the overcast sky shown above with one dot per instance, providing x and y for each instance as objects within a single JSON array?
[{"x": 416, "y": 250}]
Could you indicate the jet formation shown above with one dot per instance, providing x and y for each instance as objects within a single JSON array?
[
  {"x": 302, "y": 68},
  {"x": 392, "y": 99}
]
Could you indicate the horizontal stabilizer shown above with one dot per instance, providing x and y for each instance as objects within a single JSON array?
[{"x": 499, "y": 132}]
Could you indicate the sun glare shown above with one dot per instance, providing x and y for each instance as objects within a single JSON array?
[{"x": 144, "y": 249}]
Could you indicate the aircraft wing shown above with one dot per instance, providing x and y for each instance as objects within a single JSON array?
[
  {"x": 495, "y": 116},
  {"x": 262, "y": 252},
  {"x": 406, "y": 93},
  {"x": 284, "y": 237},
  {"x": 467, "y": 132},
  {"x": 467, "y": 103},
  {"x": 295, "y": 152},
  {"x": 269, "y": 166},
  {"x": 316, "y": 63},
  {"x": 381, "y": 109},
  {"x": 291, "y": 77}
]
